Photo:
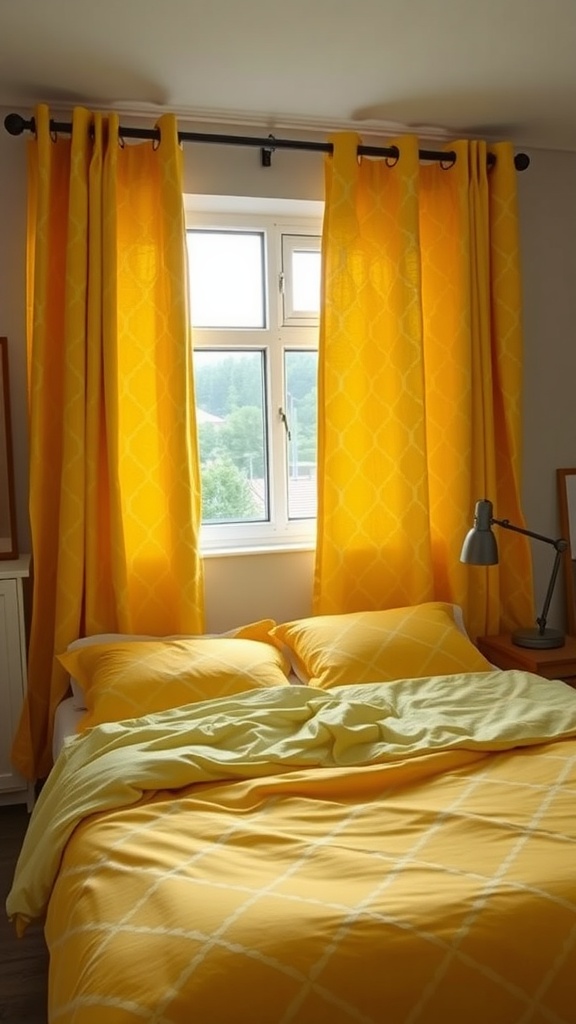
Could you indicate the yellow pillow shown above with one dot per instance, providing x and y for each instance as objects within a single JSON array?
[
  {"x": 253, "y": 631},
  {"x": 126, "y": 680},
  {"x": 378, "y": 646},
  {"x": 259, "y": 630}
]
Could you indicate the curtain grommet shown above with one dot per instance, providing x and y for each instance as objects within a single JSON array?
[{"x": 393, "y": 157}]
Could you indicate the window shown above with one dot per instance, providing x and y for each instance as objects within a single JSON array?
[{"x": 255, "y": 301}]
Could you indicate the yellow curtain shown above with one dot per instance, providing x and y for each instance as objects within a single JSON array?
[
  {"x": 114, "y": 474},
  {"x": 420, "y": 383}
]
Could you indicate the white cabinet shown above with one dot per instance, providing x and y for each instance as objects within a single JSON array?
[{"x": 13, "y": 573}]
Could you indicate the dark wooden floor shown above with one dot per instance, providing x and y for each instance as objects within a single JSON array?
[{"x": 23, "y": 962}]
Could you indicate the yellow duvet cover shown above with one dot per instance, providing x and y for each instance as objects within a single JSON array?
[{"x": 400, "y": 853}]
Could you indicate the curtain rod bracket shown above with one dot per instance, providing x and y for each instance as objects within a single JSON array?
[{"x": 266, "y": 153}]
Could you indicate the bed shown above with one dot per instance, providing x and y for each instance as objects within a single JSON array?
[{"x": 343, "y": 819}]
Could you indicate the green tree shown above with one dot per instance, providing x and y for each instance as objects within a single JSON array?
[
  {"x": 305, "y": 421},
  {"x": 301, "y": 372},
  {"x": 222, "y": 383},
  {"x": 242, "y": 438},
  {"x": 209, "y": 442},
  {"x": 226, "y": 494}
]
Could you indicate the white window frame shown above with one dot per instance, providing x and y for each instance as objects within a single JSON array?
[
  {"x": 290, "y": 244},
  {"x": 276, "y": 218}
]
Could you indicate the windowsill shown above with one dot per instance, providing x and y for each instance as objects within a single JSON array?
[{"x": 257, "y": 549}]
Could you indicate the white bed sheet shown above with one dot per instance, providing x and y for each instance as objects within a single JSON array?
[{"x": 66, "y": 720}]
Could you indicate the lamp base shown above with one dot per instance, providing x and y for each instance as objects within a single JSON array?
[{"x": 535, "y": 639}]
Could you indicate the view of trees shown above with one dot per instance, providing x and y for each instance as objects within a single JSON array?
[
  {"x": 226, "y": 493},
  {"x": 230, "y": 400}
]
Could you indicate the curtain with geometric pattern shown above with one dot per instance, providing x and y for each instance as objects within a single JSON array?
[
  {"x": 114, "y": 472},
  {"x": 420, "y": 383}
]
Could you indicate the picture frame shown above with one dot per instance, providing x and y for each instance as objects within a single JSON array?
[
  {"x": 8, "y": 533},
  {"x": 566, "y": 479}
]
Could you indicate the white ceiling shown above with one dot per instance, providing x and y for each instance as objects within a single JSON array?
[{"x": 497, "y": 69}]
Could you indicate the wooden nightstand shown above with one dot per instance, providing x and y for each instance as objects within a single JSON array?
[{"x": 555, "y": 663}]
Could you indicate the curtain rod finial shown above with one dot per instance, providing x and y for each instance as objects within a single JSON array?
[
  {"x": 15, "y": 124},
  {"x": 521, "y": 161}
]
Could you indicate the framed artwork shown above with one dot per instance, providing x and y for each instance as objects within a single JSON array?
[
  {"x": 8, "y": 538},
  {"x": 567, "y": 515}
]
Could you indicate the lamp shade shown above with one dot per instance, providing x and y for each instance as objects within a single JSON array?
[{"x": 479, "y": 547}]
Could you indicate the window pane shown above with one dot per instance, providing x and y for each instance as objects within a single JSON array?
[
  {"x": 300, "y": 369},
  {"x": 230, "y": 402},
  {"x": 306, "y": 281},
  {"x": 301, "y": 269},
  {"x": 226, "y": 271}
]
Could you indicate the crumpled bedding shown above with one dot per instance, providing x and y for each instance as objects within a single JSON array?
[{"x": 400, "y": 851}]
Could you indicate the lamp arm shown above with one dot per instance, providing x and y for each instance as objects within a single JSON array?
[
  {"x": 544, "y": 613},
  {"x": 560, "y": 546}
]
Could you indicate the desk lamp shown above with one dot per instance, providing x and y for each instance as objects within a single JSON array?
[{"x": 480, "y": 548}]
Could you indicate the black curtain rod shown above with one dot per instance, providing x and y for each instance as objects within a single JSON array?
[{"x": 15, "y": 124}]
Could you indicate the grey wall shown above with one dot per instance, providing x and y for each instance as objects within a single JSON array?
[{"x": 547, "y": 197}]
